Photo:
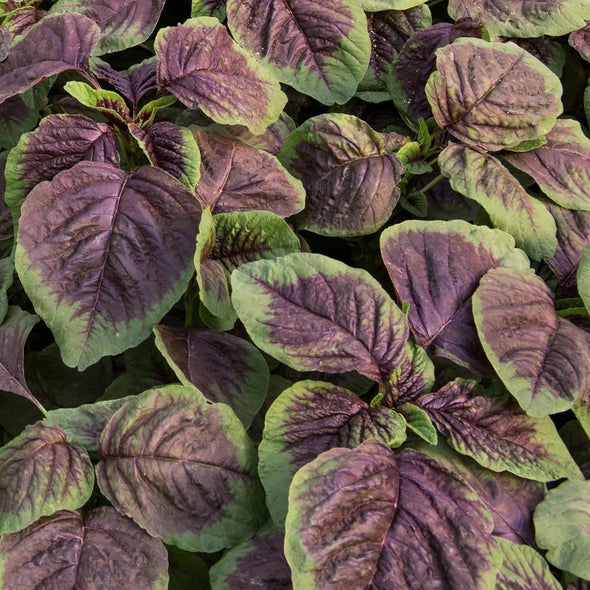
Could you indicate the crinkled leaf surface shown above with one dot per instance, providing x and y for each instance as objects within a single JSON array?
[
  {"x": 498, "y": 434},
  {"x": 57, "y": 43},
  {"x": 200, "y": 64},
  {"x": 315, "y": 313},
  {"x": 183, "y": 469},
  {"x": 225, "y": 368},
  {"x": 320, "y": 49},
  {"x": 71, "y": 550},
  {"x": 481, "y": 94},
  {"x": 107, "y": 102},
  {"x": 483, "y": 178},
  {"x": 435, "y": 266},
  {"x": 349, "y": 172},
  {"x": 543, "y": 360},
  {"x": 562, "y": 521},
  {"x": 389, "y": 521},
  {"x": 309, "y": 418},
  {"x": 561, "y": 167},
  {"x": 40, "y": 474},
  {"x": 104, "y": 254}
]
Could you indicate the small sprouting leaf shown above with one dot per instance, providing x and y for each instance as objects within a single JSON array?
[
  {"x": 225, "y": 368},
  {"x": 107, "y": 102},
  {"x": 309, "y": 418},
  {"x": 418, "y": 421},
  {"x": 350, "y": 173},
  {"x": 200, "y": 64},
  {"x": 41, "y": 473},
  {"x": 481, "y": 94},
  {"x": 543, "y": 359},
  {"x": 483, "y": 178},
  {"x": 55, "y": 44},
  {"x": 561, "y": 167},
  {"x": 562, "y": 521},
  {"x": 82, "y": 259},
  {"x": 435, "y": 266},
  {"x": 320, "y": 49},
  {"x": 123, "y": 23},
  {"x": 239, "y": 177},
  {"x": 317, "y": 314},
  {"x": 183, "y": 469},
  {"x": 77, "y": 550}
]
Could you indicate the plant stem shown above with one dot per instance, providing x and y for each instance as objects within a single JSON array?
[{"x": 431, "y": 183}]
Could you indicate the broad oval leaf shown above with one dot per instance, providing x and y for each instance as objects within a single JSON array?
[
  {"x": 543, "y": 360},
  {"x": 562, "y": 521},
  {"x": 57, "y": 43},
  {"x": 389, "y": 521},
  {"x": 320, "y": 49},
  {"x": 315, "y": 313},
  {"x": 200, "y": 64},
  {"x": 239, "y": 177},
  {"x": 481, "y": 94},
  {"x": 40, "y": 473},
  {"x": 309, "y": 418},
  {"x": 483, "y": 178},
  {"x": 183, "y": 469},
  {"x": 104, "y": 254},
  {"x": 349, "y": 172},
  {"x": 435, "y": 266},
  {"x": 72, "y": 550}
]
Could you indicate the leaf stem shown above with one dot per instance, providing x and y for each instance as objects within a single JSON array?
[{"x": 432, "y": 183}]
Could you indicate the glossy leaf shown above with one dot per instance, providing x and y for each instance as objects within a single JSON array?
[
  {"x": 57, "y": 43},
  {"x": 481, "y": 92},
  {"x": 183, "y": 469},
  {"x": 315, "y": 313},
  {"x": 435, "y": 266},
  {"x": 71, "y": 550},
  {"x": 349, "y": 171},
  {"x": 104, "y": 291},
  {"x": 373, "y": 517},
  {"x": 41, "y": 473},
  {"x": 200, "y": 64},
  {"x": 418, "y": 421},
  {"x": 543, "y": 359},
  {"x": 483, "y": 178},
  {"x": 561, "y": 522},
  {"x": 309, "y": 418},
  {"x": 320, "y": 49}
]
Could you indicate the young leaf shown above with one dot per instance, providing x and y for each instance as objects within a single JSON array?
[
  {"x": 418, "y": 421},
  {"x": 107, "y": 102},
  {"x": 183, "y": 469},
  {"x": 100, "y": 548},
  {"x": 102, "y": 290},
  {"x": 543, "y": 360},
  {"x": 238, "y": 177},
  {"x": 481, "y": 94},
  {"x": 483, "y": 178},
  {"x": 309, "y": 418},
  {"x": 435, "y": 266},
  {"x": 41, "y": 473},
  {"x": 225, "y": 368},
  {"x": 561, "y": 522},
  {"x": 200, "y": 64},
  {"x": 399, "y": 521},
  {"x": 349, "y": 172},
  {"x": 320, "y": 49}
]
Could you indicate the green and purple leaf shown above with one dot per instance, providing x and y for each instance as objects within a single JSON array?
[
  {"x": 107, "y": 102},
  {"x": 215, "y": 8},
  {"x": 73, "y": 550},
  {"x": 583, "y": 277},
  {"x": 350, "y": 173},
  {"x": 543, "y": 360},
  {"x": 481, "y": 93},
  {"x": 436, "y": 266},
  {"x": 183, "y": 469},
  {"x": 104, "y": 254},
  {"x": 320, "y": 49},
  {"x": 41, "y": 473},
  {"x": 200, "y": 64},
  {"x": 580, "y": 40}
]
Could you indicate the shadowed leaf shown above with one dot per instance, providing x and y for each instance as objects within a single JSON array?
[
  {"x": 580, "y": 41},
  {"x": 583, "y": 276}
]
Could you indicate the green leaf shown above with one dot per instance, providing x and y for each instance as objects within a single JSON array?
[
  {"x": 107, "y": 102},
  {"x": 583, "y": 276},
  {"x": 418, "y": 421}
]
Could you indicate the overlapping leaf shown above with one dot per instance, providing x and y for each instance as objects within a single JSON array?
[
  {"x": 580, "y": 41},
  {"x": 583, "y": 276}
]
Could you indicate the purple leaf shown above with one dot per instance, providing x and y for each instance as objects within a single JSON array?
[
  {"x": 580, "y": 41},
  {"x": 23, "y": 18},
  {"x": 104, "y": 254},
  {"x": 69, "y": 551},
  {"x": 57, "y": 43}
]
